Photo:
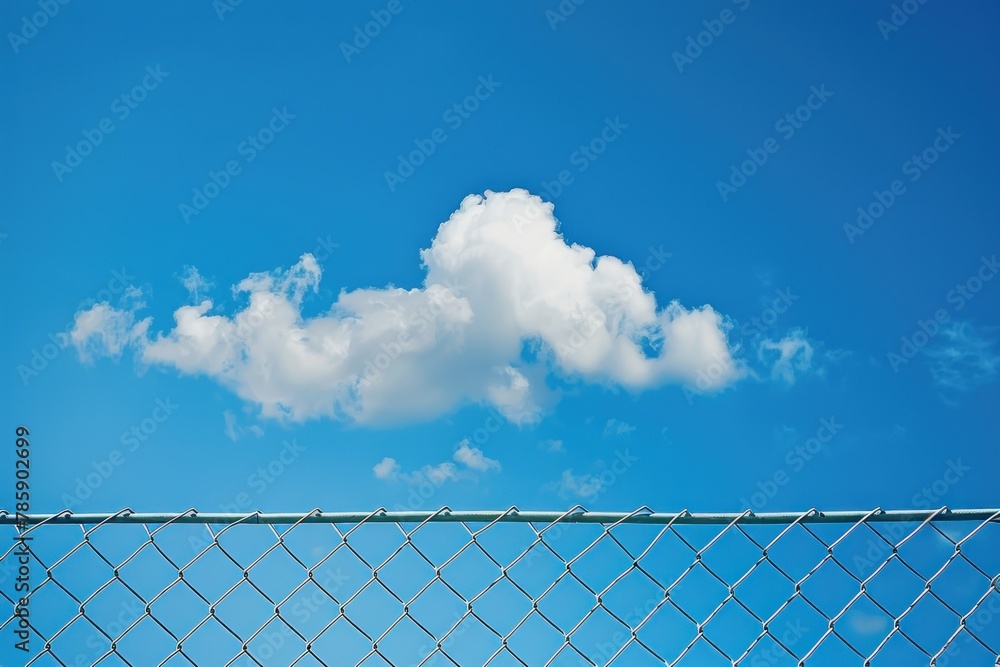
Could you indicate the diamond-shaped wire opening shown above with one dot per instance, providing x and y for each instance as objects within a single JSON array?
[
  {"x": 764, "y": 589},
  {"x": 570, "y": 540},
  {"x": 470, "y": 572},
  {"x": 179, "y": 608},
  {"x": 276, "y": 644},
  {"x": 110, "y": 660},
  {"x": 666, "y": 630},
  {"x": 830, "y": 587},
  {"x": 350, "y": 571},
  {"x": 502, "y": 606},
  {"x": 984, "y": 620},
  {"x": 406, "y": 573},
  {"x": 634, "y": 538},
  {"x": 701, "y": 654},
  {"x": 632, "y": 595},
  {"x": 800, "y": 548},
  {"x": 81, "y": 643},
  {"x": 899, "y": 651},
  {"x": 535, "y": 641},
  {"x": 211, "y": 644},
  {"x": 565, "y": 604},
  {"x": 471, "y": 642},
  {"x": 926, "y": 551},
  {"x": 101, "y": 608},
  {"x": 694, "y": 537},
  {"x": 503, "y": 659},
  {"x": 310, "y": 608},
  {"x": 536, "y": 569},
  {"x": 699, "y": 593},
  {"x": 732, "y": 629},
  {"x": 178, "y": 542},
  {"x": 309, "y": 660},
  {"x": 797, "y": 623},
  {"x": 277, "y": 573},
  {"x": 373, "y": 542},
  {"x": 601, "y": 634},
  {"x": 244, "y": 543},
  {"x": 437, "y": 609},
  {"x": 147, "y": 572},
  {"x": 864, "y": 547},
  {"x": 341, "y": 644},
  {"x": 374, "y": 608},
  {"x": 960, "y": 585},
  {"x": 601, "y": 563},
  {"x": 769, "y": 652},
  {"x": 440, "y": 541},
  {"x": 731, "y": 555},
  {"x": 243, "y": 610},
  {"x": 212, "y": 574},
  {"x": 397, "y": 646},
  {"x": 929, "y": 624},
  {"x": 979, "y": 543},
  {"x": 831, "y": 651},
  {"x": 634, "y": 655},
  {"x": 863, "y": 625},
  {"x": 895, "y": 587},
  {"x": 667, "y": 558},
  {"x": 311, "y": 542},
  {"x": 83, "y": 571},
  {"x": 146, "y": 643}
]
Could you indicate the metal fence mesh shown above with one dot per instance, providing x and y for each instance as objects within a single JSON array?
[{"x": 503, "y": 588}]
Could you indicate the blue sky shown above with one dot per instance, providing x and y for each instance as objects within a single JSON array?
[
  {"x": 651, "y": 138},
  {"x": 282, "y": 256}
]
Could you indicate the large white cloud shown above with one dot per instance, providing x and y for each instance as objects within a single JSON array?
[{"x": 500, "y": 279}]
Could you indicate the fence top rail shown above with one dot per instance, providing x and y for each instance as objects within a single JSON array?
[{"x": 512, "y": 515}]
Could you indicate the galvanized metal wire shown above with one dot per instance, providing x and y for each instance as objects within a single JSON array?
[{"x": 503, "y": 588}]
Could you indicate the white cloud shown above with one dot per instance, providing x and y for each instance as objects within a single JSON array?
[
  {"x": 472, "y": 457},
  {"x": 789, "y": 357},
  {"x": 499, "y": 275},
  {"x": 194, "y": 283},
  {"x": 615, "y": 427},
  {"x": 962, "y": 357}
]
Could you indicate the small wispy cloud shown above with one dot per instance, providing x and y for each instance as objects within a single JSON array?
[
  {"x": 473, "y": 458},
  {"x": 615, "y": 427},
  {"x": 389, "y": 470},
  {"x": 194, "y": 283},
  {"x": 552, "y": 446},
  {"x": 962, "y": 357},
  {"x": 234, "y": 431},
  {"x": 577, "y": 486},
  {"x": 788, "y": 358}
]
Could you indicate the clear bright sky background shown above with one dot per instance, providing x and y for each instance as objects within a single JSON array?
[{"x": 322, "y": 180}]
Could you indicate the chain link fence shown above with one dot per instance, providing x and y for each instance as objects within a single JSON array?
[{"x": 502, "y": 588}]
